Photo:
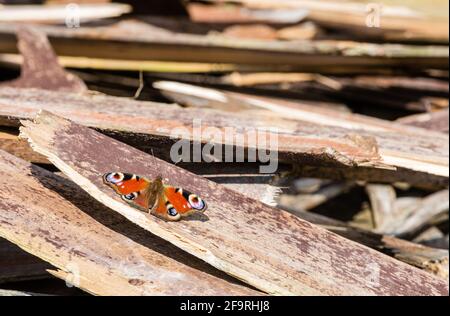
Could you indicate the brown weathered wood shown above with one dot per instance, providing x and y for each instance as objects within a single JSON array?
[
  {"x": 140, "y": 41},
  {"x": 265, "y": 247},
  {"x": 43, "y": 214},
  {"x": 420, "y": 156},
  {"x": 397, "y": 144},
  {"x": 157, "y": 122},
  {"x": 433, "y": 260},
  {"x": 40, "y": 68},
  {"x": 426, "y": 209},
  {"x": 436, "y": 121}
]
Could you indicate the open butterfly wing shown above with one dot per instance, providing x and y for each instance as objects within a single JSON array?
[{"x": 176, "y": 202}]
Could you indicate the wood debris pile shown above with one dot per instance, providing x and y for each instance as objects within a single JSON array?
[{"x": 316, "y": 131}]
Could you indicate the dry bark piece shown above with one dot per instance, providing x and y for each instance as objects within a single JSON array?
[
  {"x": 36, "y": 216},
  {"x": 269, "y": 249},
  {"x": 40, "y": 67}
]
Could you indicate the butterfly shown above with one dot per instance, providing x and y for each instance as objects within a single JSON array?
[{"x": 165, "y": 201}]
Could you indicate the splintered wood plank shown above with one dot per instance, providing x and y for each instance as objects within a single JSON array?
[
  {"x": 401, "y": 146},
  {"x": 10, "y": 142},
  {"x": 144, "y": 124},
  {"x": 269, "y": 249},
  {"x": 44, "y": 215}
]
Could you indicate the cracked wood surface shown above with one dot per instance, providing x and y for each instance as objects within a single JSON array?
[
  {"x": 405, "y": 147},
  {"x": 55, "y": 220},
  {"x": 267, "y": 248},
  {"x": 421, "y": 157},
  {"x": 143, "y": 124}
]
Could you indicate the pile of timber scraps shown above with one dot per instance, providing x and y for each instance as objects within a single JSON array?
[
  {"x": 285, "y": 269},
  {"x": 362, "y": 200}
]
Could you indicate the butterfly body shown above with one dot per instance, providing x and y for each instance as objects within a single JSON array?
[{"x": 155, "y": 197}]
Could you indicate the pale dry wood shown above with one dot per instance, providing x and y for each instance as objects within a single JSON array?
[
  {"x": 426, "y": 209},
  {"x": 265, "y": 247},
  {"x": 397, "y": 23},
  {"x": 306, "y": 202},
  {"x": 130, "y": 65},
  {"x": 13, "y": 293},
  {"x": 11, "y": 143},
  {"x": 43, "y": 214},
  {"x": 382, "y": 200}
]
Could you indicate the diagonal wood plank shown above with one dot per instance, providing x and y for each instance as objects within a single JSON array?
[
  {"x": 270, "y": 249},
  {"x": 35, "y": 214}
]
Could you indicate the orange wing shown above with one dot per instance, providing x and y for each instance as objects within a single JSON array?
[
  {"x": 175, "y": 203},
  {"x": 171, "y": 203}
]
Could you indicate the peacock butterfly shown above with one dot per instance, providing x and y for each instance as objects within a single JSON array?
[{"x": 164, "y": 201}]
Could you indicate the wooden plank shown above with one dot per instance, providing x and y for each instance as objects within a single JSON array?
[
  {"x": 270, "y": 249},
  {"x": 426, "y": 209},
  {"x": 398, "y": 145},
  {"x": 140, "y": 41},
  {"x": 58, "y": 222},
  {"x": 157, "y": 123},
  {"x": 58, "y": 13},
  {"x": 432, "y": 260},
  {"x": 421, "y": 157},
  {"x": 10, "y": 142}
]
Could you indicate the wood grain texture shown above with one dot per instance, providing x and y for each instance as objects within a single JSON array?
[
  {"x": 145, "y": 123},
  {"x": 398, "y": 145},
  {"x": 268, "y": 248},
  {"x": 430, "y": 259},
  {"x": 420, "y": 157},
  {"x": 42, "y": 214}
]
